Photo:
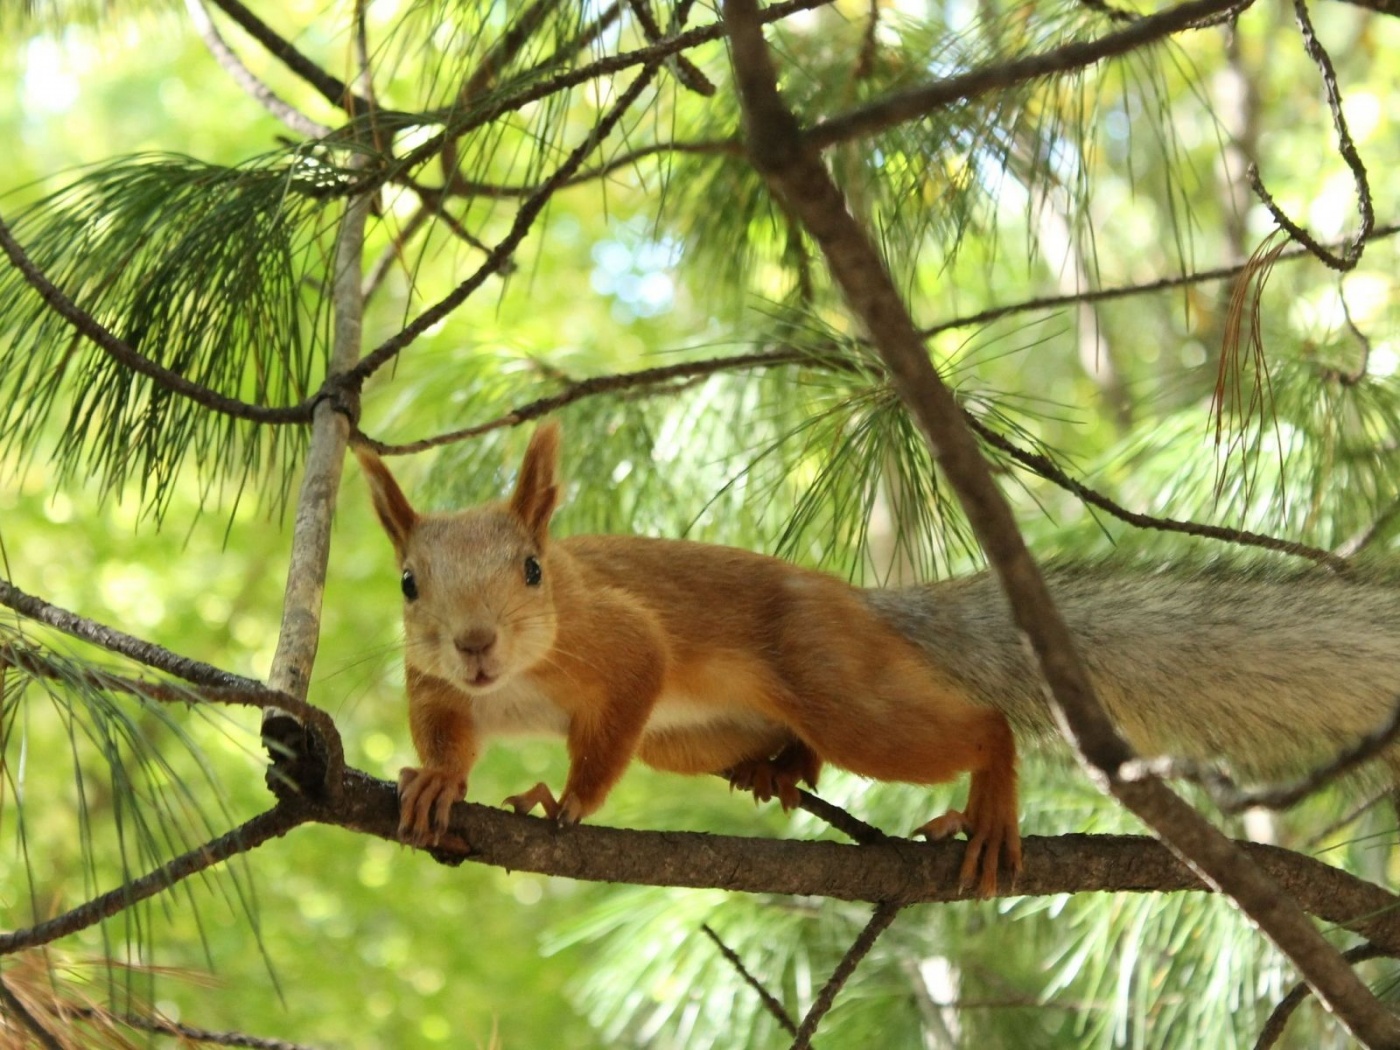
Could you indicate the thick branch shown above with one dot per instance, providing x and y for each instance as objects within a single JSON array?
[
  {"x": 780, "y": 153},
  {"x": 306, "y": 574},
  {"x": 897, "y": 870}
]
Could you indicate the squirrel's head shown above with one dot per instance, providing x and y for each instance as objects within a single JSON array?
[{"x": 477, "y": 585}]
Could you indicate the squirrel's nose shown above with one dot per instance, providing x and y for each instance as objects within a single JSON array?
[{"x": 476, "y": 642}]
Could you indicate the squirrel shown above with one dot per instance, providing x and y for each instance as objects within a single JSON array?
[{"x": 698, "y": 658}]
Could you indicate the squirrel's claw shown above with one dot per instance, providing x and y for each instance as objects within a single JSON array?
[
  {"x": 565, "y": 810},
  {"x": 425, "y": 803},
  {"x": 539, "y": 795},
  {"x": 777, "y": 777},
  {"x": 989, "y": 843}
]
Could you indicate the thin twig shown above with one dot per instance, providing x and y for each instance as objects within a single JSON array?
[
  {"x": 1233, "y": 799},
  {"x": 851, "y": 826},
  {"x": 1321, "y": 835},
  {"x": 915, "y": 103},
  {"x": 1278, "y": 1019},
  {"x": 37, "y": 665},
  {"x": 189, "y": 1033},
  {"x": 247, "y": 79},
  {"x": 457, "y": 124},
  {"x": 771, "y": 1003},
  {"x": 123, "y": 353},
  {"x": 1355, "y": 375},
  {"x": 1351, "y": 254},
  {"x": 1124, "y": 291},
  {"x": 271, "y": 824},
  {"x": 1354, "y": 545},
  {"x": 585, "y": 388},
  {"x": 379, "y": 271},
  {"x": 116, "y": 641},
  {"x": 524, "y": 220},
  {"x": 331, "y": 88},
  {"x": 1047, "y": 469},
  {"x": 500, "y": 191},
  {"x": 884, "y": 915},
  {"x": 487, "y": 72},
  {"x": 683, "y": 68}
]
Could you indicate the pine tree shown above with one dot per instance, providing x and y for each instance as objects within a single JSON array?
[{"x": 740, "y": 252}]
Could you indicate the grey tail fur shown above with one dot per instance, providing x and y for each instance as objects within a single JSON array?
[{"x": 1273, "y": 672}]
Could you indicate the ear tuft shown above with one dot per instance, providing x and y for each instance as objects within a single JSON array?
[
  {"x": 536, "y": 490},
  {"x": 395, "y": 513}
]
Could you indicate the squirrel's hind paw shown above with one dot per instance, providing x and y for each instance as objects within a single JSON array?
[
  {"x": 988, "y": 847},
  {"x": 777, "y": 777}
]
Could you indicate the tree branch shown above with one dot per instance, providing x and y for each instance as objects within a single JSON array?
[
  {"x": 914, "y": 103},
  {"x": 37, "y": 665},
  {"x": 897, "y": 870},
  {"x": 1125, "y": 291},
  {"x": 593, "y": 387},
  {"x": 782, "y": 154},
  {"x": 331, "y": 88},
  {"x": 524, "y": 220},
  {"x": 885, "y": 913},
  {"x": 15, "y": 1006},
  {"x": 124, "y": 354},
  {"x": 768, "y": 999},
  {"x": 187, "y": 1033},
  {"x": 1046, "y": 468},
  {"x": 274, "y": 823},
  {"x": 1231, "y": 798},
  {"x": 457, "y": 126},
  {"x": 1273, "y": 1028},
  {"x": 116, "y": 641},
  {"x": 1351, "y": 253},
  {"x": 244, "y": 77}
]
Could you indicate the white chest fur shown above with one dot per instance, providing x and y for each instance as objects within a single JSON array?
[{"x": 518, "y": 707}]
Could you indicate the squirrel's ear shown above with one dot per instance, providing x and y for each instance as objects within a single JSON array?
[
  {"x": 395, "y": 513},
  {"x": 536, "y": 491}
]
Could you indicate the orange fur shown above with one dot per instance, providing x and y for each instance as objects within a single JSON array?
[{"x": 692, "y": 657}]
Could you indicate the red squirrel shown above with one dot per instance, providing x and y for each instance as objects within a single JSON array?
[{"x": 693, "y": 657}]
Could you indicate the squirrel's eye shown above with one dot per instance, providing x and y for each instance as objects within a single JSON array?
[
  {"x": 533, "y": 572},
  {"x": 410, "y": 585}
]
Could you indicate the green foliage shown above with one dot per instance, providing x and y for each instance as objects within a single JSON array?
[
  {"x": 141, "y": 243},
  {"x": 218, "y": 268}
]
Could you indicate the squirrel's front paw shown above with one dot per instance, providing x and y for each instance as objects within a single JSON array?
[{"x": 425, "y": 803}]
